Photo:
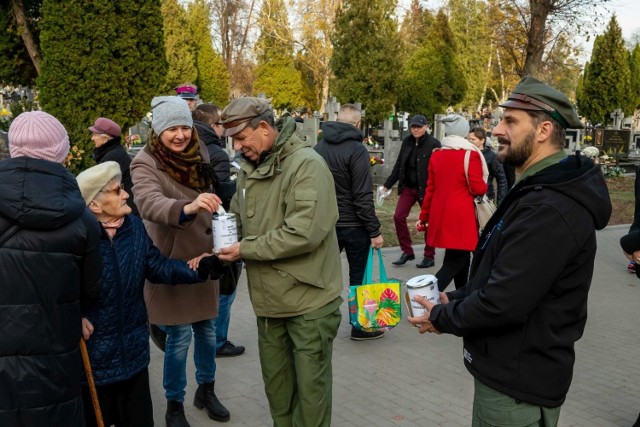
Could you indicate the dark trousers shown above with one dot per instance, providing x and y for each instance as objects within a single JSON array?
[
  {"x": 125, "y": 403},
  {"x": 356, "y": 243},
  {"x": 407, "y": 199},
  {"x": 455, "y": 266}
]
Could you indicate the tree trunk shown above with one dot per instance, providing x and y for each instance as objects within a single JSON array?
[
  {"x": 25, "y": 33},
  {"x": 536, "y": 37}
]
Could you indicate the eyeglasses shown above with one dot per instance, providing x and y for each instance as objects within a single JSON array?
[{"x": 116, "y": 190}]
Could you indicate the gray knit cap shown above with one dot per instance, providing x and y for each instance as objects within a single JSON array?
[
  {"x": 169, "y": 111},
  {"x": 455, "y": 124}
]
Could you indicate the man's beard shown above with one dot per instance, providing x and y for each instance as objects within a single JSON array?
[{"x": 518, "y": 155}]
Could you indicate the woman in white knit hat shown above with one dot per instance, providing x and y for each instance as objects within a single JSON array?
[
  {"x": 119, "y": 347},
  {"x": 173, "y": 186},
  {"x": 49, "y": 268}
]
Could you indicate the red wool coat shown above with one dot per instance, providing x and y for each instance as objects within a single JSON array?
[{"x": 448, "y": 202}]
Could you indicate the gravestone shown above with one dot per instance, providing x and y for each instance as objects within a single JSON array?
[
  {"x": 332, "y": 107},
  {"x": 617, "y": 117},
  {"x": 4, "y": 145},
  {"x": 310, "y": 127},
  {"x": 572, "y": 139},
  {"x": 391, "y": 143},
  {"x": 614, "y": 142},
  {"x": 438, "y": 127}
]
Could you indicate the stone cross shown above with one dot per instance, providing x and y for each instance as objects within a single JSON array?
[
  {"x": 617, "y": 117},
  {"x": 332, "y": 107}
]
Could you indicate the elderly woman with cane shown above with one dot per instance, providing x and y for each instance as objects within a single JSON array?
[{"x": 116, "y": 327}]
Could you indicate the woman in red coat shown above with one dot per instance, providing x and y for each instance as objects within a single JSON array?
[{"x": 448, "y": 208}]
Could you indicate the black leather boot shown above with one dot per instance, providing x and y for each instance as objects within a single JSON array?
[
  {"x": 206, "y": 398},
  {"x": 175, "y": 414}
]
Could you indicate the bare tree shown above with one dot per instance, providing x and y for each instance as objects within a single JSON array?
[
  {"x": 544, "y": 20},
  {"x": 17, "y": 7},
  {"x": 232, "y": 21}
]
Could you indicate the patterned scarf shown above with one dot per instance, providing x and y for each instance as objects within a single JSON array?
[{"x": 186, "y": 167}]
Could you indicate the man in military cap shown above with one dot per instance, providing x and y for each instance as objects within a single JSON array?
[
  {"x": 286, "y": 212},
  {"x": 525, "y": 304}
]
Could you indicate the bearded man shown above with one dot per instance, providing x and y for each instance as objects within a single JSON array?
[{"x": 519, "y": 322}]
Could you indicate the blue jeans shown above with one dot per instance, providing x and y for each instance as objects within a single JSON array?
[
  {"x": 175, "y": 356},
  {"x": 356, "y": 243},
  {"x": 224, "y": 317}
]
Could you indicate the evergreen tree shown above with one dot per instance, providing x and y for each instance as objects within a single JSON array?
[
  {"x": 276, "y": 75},
  {"x": 607, "y": 85},
  {"x": 99, "y": 59},
  {"x": 213, "y": 78},
  {"x": 414, "y": 28},
  {"x": 634, "y": 67},
  {"x": 580, "y": 89},
  {"x": 179, "y": 45},
  {"x": 432, "y": 78},
  {"x": 366, "y": 56}
]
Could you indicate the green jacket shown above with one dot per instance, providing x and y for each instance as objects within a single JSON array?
[{"x": 287, "y": 211}]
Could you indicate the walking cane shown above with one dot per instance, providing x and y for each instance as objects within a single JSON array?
[{"x": 92, "y": 384}]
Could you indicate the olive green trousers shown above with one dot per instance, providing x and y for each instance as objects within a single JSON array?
[
  {"x": 295, "y": 357},
  {"x": 494, "y": 409}
]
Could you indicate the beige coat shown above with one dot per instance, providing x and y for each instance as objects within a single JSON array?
[{"x": 160, "y": 200}]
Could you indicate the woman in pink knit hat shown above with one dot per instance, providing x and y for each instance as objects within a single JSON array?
[{"x": 49, "y": 267}]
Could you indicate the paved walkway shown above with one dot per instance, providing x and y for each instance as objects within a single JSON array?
[{"x": 406, "y": 379}]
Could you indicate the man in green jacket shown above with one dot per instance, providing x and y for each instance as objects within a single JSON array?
[{"x": 286, "y": 210}]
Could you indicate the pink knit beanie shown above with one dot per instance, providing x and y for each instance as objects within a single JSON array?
[{"x": 38, "y": 135}]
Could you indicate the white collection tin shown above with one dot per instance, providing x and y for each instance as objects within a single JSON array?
[
  {"x": 225, "y": 231},
  {"x": 426, "y": 286}
]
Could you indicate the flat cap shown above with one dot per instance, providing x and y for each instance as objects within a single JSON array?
[
  {"x": 534, "y": 95},
  {"x": 237, "y": 114},
  {"x": 106, "y": 126}
]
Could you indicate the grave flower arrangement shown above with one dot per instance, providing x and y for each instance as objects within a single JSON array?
[
  {"x": 376, "y": 160},
  {"x": 369, "y": 141}
]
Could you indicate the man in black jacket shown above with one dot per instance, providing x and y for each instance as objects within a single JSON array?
[
  {"x": 525, "y": 304},
  {"x": 410, "y": 171},
  {"x": 206, "y": 121},
  {"x": 358, "y": 227}
]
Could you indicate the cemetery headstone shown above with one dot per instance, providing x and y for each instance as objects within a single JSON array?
[{"x": 310, "y": 128}]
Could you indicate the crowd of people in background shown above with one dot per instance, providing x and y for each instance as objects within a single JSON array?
[{"x": 126, "y": 251}]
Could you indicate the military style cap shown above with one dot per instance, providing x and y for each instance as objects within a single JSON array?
[
  {"x": 532, "y": 94},
  {"x": 237, "y": 114}
]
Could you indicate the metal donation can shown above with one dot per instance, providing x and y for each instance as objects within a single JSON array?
[
  {"x": 225, "y": 231},
  {"x": 426, "y": 286}
]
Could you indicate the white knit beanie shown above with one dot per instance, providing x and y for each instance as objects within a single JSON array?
[
  {"x": 169, "y": 111},
  {"x": 93, "y": 180},
  {"x": 38, "y": 135}
]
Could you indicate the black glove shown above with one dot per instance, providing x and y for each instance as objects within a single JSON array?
[{"x": 211, "y": 266}]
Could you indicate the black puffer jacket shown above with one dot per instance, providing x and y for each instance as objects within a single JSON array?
[
  {"x": 424, "y": 146},
  {"x": 525, "y": 304},
  {"x": 119, "y": 347},
  {"x": 115, "y": 152},
  {"x": 47, "y": 269},
  {"x": 348, "y": 160}
]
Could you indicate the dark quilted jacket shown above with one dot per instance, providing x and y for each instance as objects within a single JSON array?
[
  {"x": 119, "y": 346},
  {"x": 47, "y": 270}
]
